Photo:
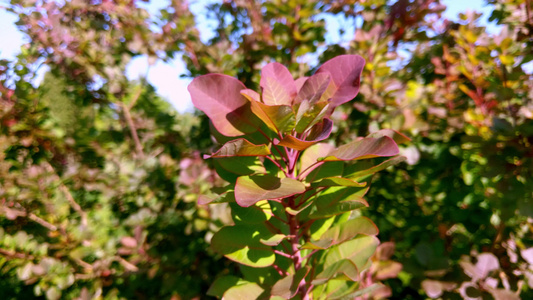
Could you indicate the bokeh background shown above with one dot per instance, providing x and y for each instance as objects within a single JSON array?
[{"x": 100, "y": 148}]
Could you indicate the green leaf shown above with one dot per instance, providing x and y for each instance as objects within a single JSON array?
[
  {"x": 241, "y": 243},
  {"x": 250, "y": 189},
  {"x": 343, "y": 232},
  {"x": 358, "y": 171},
  {"x": 240, "y": 147},
  {"x": 245, "y": 291},
  {"x": 337, "y": 200},
  {"x": 344, "y": 267},
  {"x": 320, "y": 226},
  {"x": 338, "y": 208},
  {"x": 222, "y": 284},
  {"x": 365, "y": 148},
  {"x": 364, "y": 291},
  {"x": 250, "y": 215},
  {"x": 325, "y": 170},
  {"x": 245, "y": 165},
  {"x": 273, "y": 240},
  {"x": 336, "y": 181},
  {"x": 288, "y": 287},
  {"x": 358, "y": 250}
]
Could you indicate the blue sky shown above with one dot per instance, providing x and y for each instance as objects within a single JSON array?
[{"x": 166, "y": 76}]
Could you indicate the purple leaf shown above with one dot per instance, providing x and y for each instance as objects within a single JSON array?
[
  {"x": 486, "y": 263},
  {"x": 313, "y": 88},
  {"x": 528, "y": 255},
  {"x": 393, "y": 134},
  {"x": 277, "y": 84},
  {"x": 365, "y": 148},
  {"x": 345, "y": 71},
  {"x": 218, "y": 96}
]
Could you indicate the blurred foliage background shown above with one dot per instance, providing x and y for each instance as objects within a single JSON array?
[{"x": 99, "y": 176}]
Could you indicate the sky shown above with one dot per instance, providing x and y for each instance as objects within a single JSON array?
[{"x": 165, "y": 77}]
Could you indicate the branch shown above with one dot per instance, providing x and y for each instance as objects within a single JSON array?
[
  {"x": 42, "y": 222},
  {"x": 126, "y": 264},
  {"x": 133, "y": 130},
  {"x": 68, "y": 195},
  {"x": 13, "y": 254}
]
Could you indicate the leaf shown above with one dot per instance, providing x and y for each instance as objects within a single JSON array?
[
  {"x": 313, "y": 88},
  {"x": 222, "y": 284},
  {"x": 365, "y": 148},
  {"x": 241, "y": 243},
  {"x": 273, "y": 240},
  {"x": 355, "y": 172},
  {"x": 279, "y": 118},
  {"x": 343, "y": 232},
  {"x": 434, "y": 288},
  {"x": 337, "y": 200},
  {"x": 311, "y": 155},
  {"x": 345, "y": 72},
  {"x": 250, "y": 189},
  {"x": 387, "y": 269},
  {"x": 398, "y": 137},
  {"x": 277, "y": 84},
  {"x": 247, "y": 291},
  {"x": 326, "y": 169},
  {"x": 212, "y": 199},
  {"x": 240, "y": 147},
  {"x": 527, "y": 255},
  {"x": 244, "y": 165},
  {"x": 338, "y": 208},
  {"x": 358, "y": 250},
  {"x": 337, "y": 181},
  {"x": 308, "y": 115},
  {"x": 319, "y": 132},
  {"x": 249, "y": 215},
  {"x": 366, "y": 291},
  {"x": 486, "y": 263},
  {"x": 218, "y": 96},
  {"x": 287, "y": 287},
  {"x": 501, "y": 294},
  {"x": 345, "y": 267}
]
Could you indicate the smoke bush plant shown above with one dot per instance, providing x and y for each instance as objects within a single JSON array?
[{"x": 294, "y": 200}]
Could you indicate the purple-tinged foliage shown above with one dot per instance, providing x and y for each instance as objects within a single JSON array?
[{"x": 292, "y": 198}]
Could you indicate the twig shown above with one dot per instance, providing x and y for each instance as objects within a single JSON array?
[
  {"x": 68, "y": 195},
  {"x": 42, "y": 222},
  {"x": 12, "y": 254},
  {"x": 126, "y": 264},
  {"x": 133, "y": 130}
]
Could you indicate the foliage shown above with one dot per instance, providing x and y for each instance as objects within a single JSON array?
[
  {"x": 308, "y": 239},
  {"x": 98, "y": 183},
  {"x": 460, "y": 90}
]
